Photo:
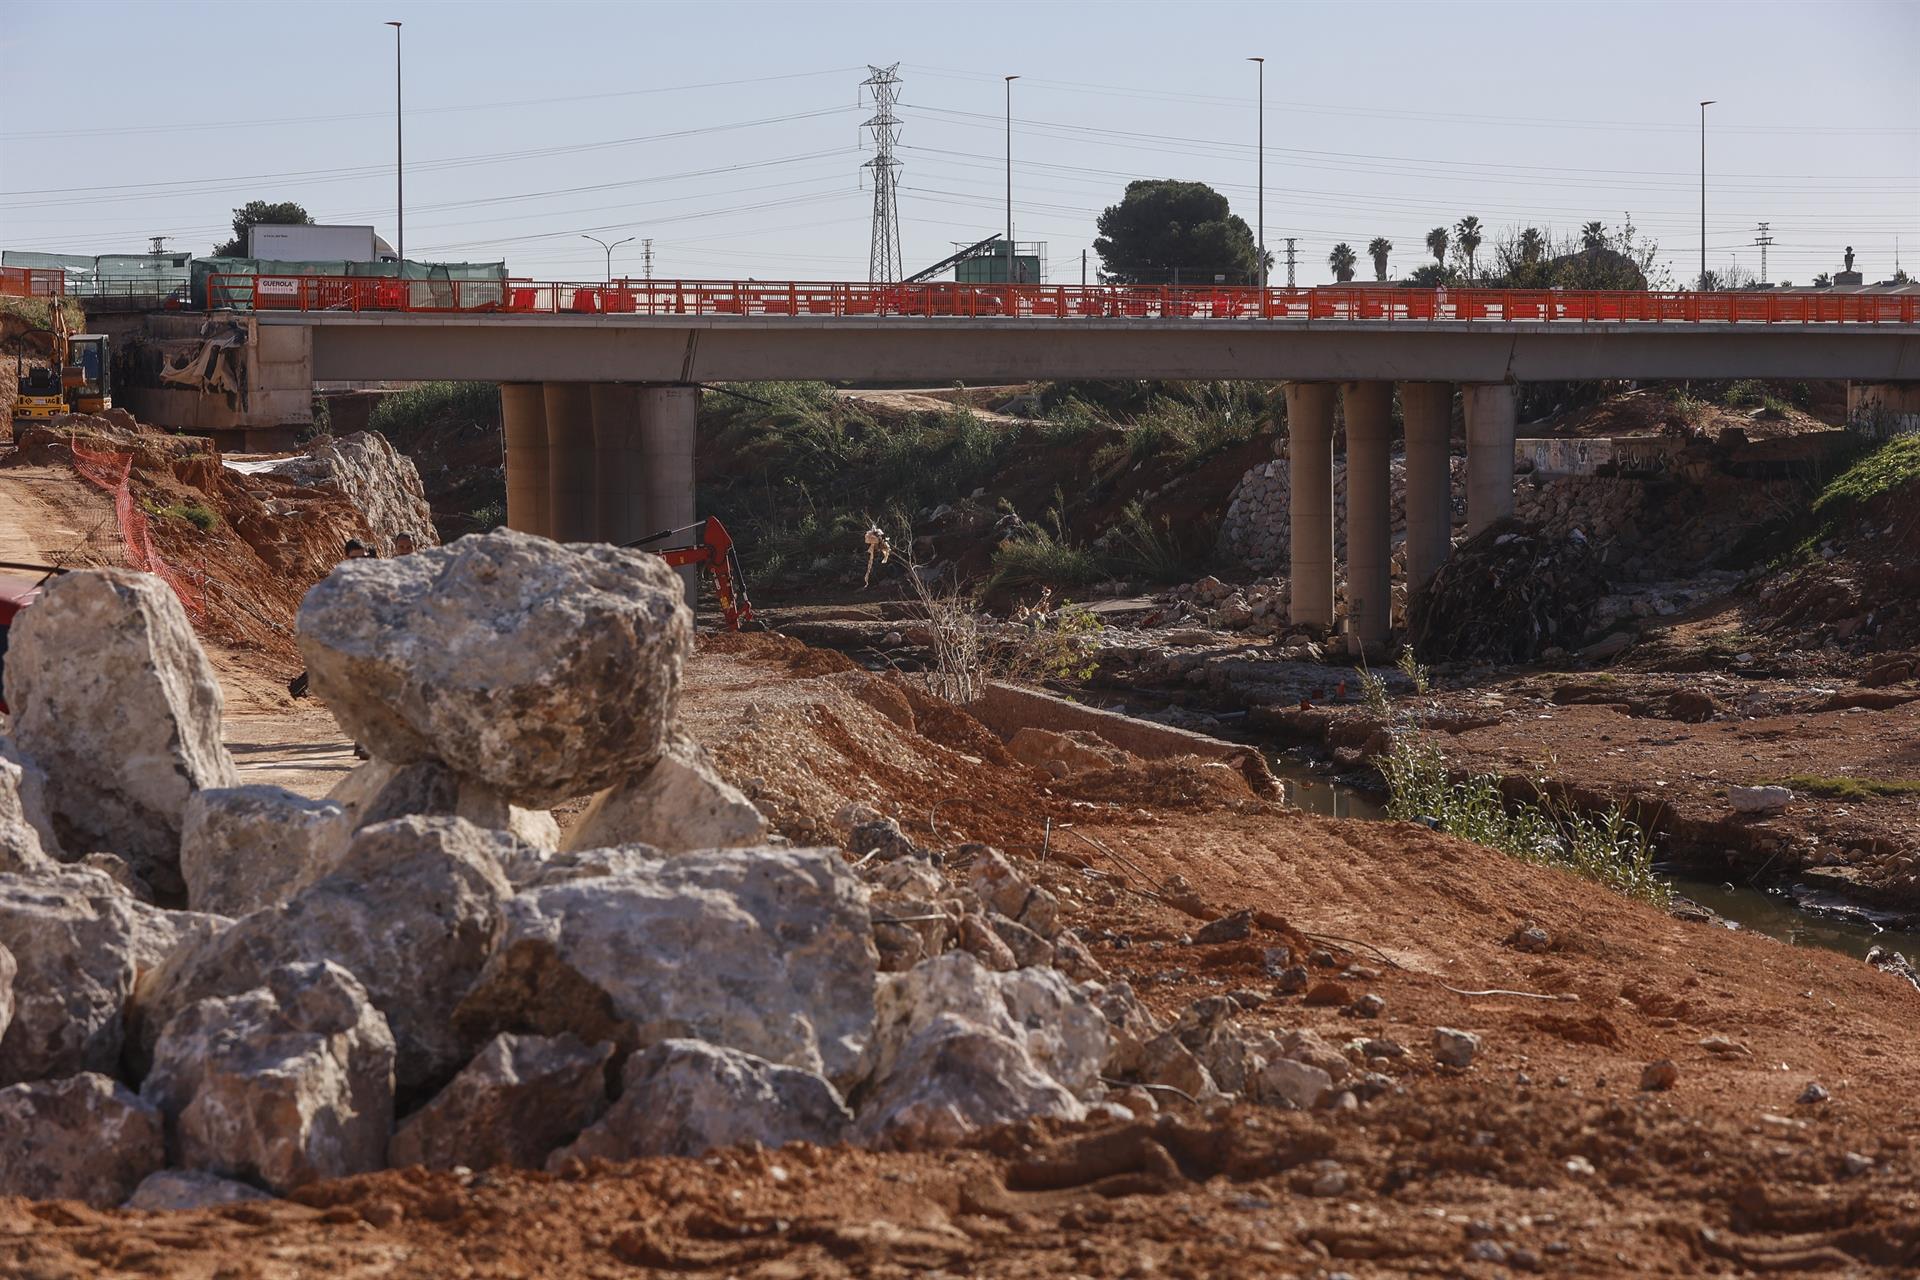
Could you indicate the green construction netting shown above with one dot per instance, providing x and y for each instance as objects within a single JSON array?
[{"x": 430, "y": 284}]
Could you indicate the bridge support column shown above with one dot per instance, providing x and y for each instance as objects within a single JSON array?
[
  {"x": 1492, "y": 417},
  {"x": 669, "y": 416},
  {"x": 1369, "y": 414},
  {"x": 1427, "y": 409},
  {"x": 620, "y": 476},
  {"x": 570, "y": 462},
  {"x": 523, "y": 416},
  {"x": 1310, "y": 500}
]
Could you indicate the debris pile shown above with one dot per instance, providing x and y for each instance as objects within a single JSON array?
[
  {"x": 1507, "y": 595},
  {"x": 274, "y": 991}
]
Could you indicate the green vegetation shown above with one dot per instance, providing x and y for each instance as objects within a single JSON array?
[
  {"x": 1881, "y": 470},
  {"x": 198, "y": 514},
  {"x": 1140, "y": 548},
  {"x": 1164, "y": 231},
  {"x": 1608, "y": 847},
  {"x": 1373, "y": 691},
  {"x": 1039, "y": 557},
  {"x": 405, "y": 417},
  {"x": 1850, "y": 788},
  {"x": 1415, "y": 670},
  {"x": 38, "y": 312}
]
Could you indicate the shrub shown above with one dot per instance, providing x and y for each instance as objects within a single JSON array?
[
  {"x": 1607, "y": 847},
  {"x": 405, "y": 416}
]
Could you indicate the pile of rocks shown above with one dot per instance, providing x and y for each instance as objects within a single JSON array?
[
  {"x": 1646, "y": 529},
  {"x": 211, "y": 992},
  {"x": 1255, "y": 529}
]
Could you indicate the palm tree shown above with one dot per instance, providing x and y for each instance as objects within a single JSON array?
[
  {"x": 1437, "y": 245},
  {"x": 1467, "y": 232},
  {"x": 1379, "y": 250},
  {"x": 1532, "y": 245},
  {"x": 1593, "y": 236},
  {"x": 1823, "y": 281},
  {"x": 1341, "y": 260}
]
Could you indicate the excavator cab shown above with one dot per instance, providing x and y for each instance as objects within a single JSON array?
[{"x": 87, "y": 379}]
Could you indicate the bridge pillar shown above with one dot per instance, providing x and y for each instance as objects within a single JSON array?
[
  {"x": 1310, "y": 500},
  {"x": 1369, "y": 414},
  {"x": 620, "y": 513},
  {"x": 1492, "y": 416},
  {"x": 523, "y": 415},
  {"x": 669, "y": 419},
  {"x": 571, "y": 485},
  {"x": 1427, "y": 409}
]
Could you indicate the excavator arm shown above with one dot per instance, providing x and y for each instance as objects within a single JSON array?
[{"x": 712, "y": 550}]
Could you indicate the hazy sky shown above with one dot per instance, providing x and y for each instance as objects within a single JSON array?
[{"x": 729, "y": 132}]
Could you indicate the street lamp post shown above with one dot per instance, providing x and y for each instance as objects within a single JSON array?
[
  {"x": 1703, "y": 189},
  {"x": 399, "y": 166},
  {"x": 609, "y": 248},
  {"x": 1262, "y": 135},
  {"x": 1010, "y": 80}
]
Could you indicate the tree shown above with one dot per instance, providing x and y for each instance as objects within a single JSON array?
[
  {"x": 1823, "y": 281},
  {"x": 1378, "y": 251},
  {"x": 1593, "y": 236},
  {"x": 1467, "y": 234},
  {"x": 1434, "y": 275},
  {"x": 1162, "y": 227},
  {"x": 1342, "y": 260},
  {"x": 1532, "y": 246},
  {"x": 1437, "y": 245},
  {"x": 256, "y": 213}
]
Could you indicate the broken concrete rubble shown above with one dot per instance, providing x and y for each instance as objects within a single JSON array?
[
  {"x": 520, "y": 1097},
  {"x": 115, "y": 704},
  {"x": 20, "y": 848},
  {"x": 545, "y": 671},
  {"x": 686, "y": 1097},
  {"x": 283, "y": 1085},
  {"x": 767, "y": 950}
]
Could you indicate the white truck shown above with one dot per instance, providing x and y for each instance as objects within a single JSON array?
[{"x": 311, "y": 242}]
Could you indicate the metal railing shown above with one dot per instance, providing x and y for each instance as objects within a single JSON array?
[
  {"x": 724, "y": 298},
  {"x": 32, "y": 282}
]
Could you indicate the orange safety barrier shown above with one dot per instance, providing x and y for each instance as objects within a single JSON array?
[
  {"x": 32, "y": 282},
  {"x": 1055, "y": 302},
  {"x": 109, "y": 472}
]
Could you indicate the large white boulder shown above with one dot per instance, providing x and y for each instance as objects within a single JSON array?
[
  {"x": 545, "y": 671},
  {"x": 83, "y": 1137},
  {"x": 243, "y": 848},
  {"x": 518, "y": 1099},
  {"x": 284, "y": 1085},
  {"x": 75, "y": 941},
  {"x": 765, "y": 950},
  {"x": 957, "y": 1047},
  {"x": 686, "y": 1097},
  {"x": 679, "y": 803},
  {"x": 113, "y": 699},
  {"x": 412, "y": 910}
]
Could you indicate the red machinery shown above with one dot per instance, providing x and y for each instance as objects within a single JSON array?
[
  {"x": 712, "y": 550},
  {"x": 17, "y": 591}
]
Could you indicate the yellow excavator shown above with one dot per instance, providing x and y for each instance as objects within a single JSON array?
[{"x": 80, "y": 380}]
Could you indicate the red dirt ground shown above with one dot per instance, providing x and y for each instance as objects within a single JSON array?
[{"x": 1545, "y": 1154}]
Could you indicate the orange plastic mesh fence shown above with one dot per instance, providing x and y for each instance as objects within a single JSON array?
[{"x": 108, "y": 471}]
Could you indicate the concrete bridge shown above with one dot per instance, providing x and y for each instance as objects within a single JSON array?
[{"x": 600, "y": 384}]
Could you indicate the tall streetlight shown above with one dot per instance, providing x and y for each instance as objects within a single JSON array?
[
  {"x": 1010, "y": 80},
  {"x": 1703, "y": 189},
  {"x": 1263, "y": 169},
  {"x": 399, "y": 168},
  {"x": 609, "y": 248}
]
